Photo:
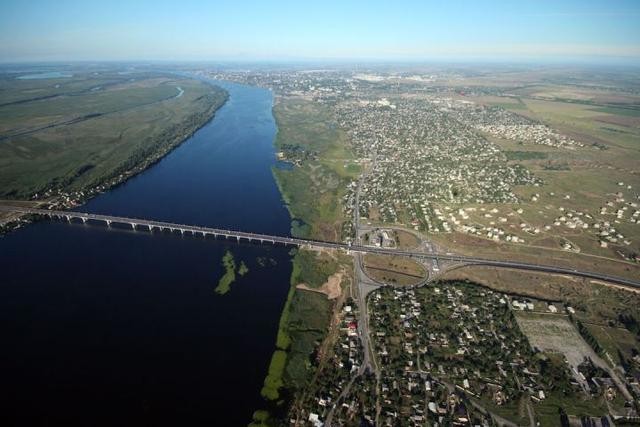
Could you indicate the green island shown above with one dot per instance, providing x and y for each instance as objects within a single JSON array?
[
  {"x": 243, "y": 269},
  {"x": 229, "y": 276},
  {"x": 67, "y": 139}
]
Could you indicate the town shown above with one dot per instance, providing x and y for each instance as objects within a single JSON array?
[
  {"x": 435, "y": 164},
  {"x": 440, "y": 164}
]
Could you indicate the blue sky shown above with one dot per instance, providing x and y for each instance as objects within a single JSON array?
[{"x": 280, "y": 30}]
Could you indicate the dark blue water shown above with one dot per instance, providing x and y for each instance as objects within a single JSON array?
[{"x": 118, "y": 327}]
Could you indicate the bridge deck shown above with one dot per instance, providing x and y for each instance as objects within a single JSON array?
[{"x": 194, "y": 229}]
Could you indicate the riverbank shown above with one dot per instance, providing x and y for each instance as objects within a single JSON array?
[
  {"x": 312, "y": 190},
  {"x": 323, "y": 167},
  {"x": 142, "y": 305},
  {"x": 129, "y": 143}
]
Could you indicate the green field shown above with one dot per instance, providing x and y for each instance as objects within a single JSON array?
[
  {"x": 393, "y": 270},
  {"x": 303, "y": 324},
  {"x": 578, "y": 180},
  {"x": 313, "y": 268},
  {"x": 313, "y": 190},
  {"x": 617, "y": 342},
  {"x": 525, "y": 155},
  {"x": 71, "y": 135},
  {"x": 308, "y": 323}
]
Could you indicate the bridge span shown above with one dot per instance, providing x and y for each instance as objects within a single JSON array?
[{"x": 195, "y": 230}]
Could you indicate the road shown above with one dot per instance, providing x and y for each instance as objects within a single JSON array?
[
  {"x": 357, "y": 247},
  {"x": 363, "y": 286}
]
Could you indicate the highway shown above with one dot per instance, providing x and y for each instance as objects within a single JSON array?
[{"x": 355, "y": 248}]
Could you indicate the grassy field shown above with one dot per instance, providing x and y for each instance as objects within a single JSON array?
[
  {"x": 303, "y": 323},
  {"x": 617, "y": 342},
  {"x": 313, "y": 190},
  {"x": 594, "y": 302},
  {"x": 71, "y": 134},
  {"x": 580, "y": 182},
  {"x": 604, "y": 115},
  {"x": 406, "y": 240},
  {"x": 394, "y": 270},
  {"x": 308, "y": 323},
  {"x": 478, "y": 246}
]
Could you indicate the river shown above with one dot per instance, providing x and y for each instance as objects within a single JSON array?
[{"x": 118, "y": 327}]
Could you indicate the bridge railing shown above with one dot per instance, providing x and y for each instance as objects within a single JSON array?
[{"x": 326, "y": 244}]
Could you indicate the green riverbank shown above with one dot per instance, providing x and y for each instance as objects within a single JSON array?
[{"x": 312, "y": 190}]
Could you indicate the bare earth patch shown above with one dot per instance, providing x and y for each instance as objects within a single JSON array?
[
  {"x": 555, "y": 334},
  {"x": 331, "y": 288}
]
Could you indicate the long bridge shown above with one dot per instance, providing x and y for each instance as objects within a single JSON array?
[{"x": 195, "y": 230}]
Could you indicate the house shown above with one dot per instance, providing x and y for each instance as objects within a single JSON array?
[{"x": 315, "y": 420}]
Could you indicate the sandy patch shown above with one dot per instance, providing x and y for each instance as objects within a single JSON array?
[{"x": 331, "y": 288}]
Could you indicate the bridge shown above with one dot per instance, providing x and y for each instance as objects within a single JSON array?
[{"x": 136, "y": 223}]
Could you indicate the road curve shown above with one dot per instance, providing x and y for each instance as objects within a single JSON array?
[{"x": 633, "y": 283}]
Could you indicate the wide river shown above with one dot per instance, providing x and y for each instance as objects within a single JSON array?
[{"x": 119, "y": 327}]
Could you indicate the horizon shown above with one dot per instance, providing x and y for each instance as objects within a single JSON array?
[
  {"x": 493, "y": 32},
  {"x": 265, "y": 213}
]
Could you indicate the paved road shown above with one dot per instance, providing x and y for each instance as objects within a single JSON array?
[
  {"x": 356, "y": 247},
  {"x": 363, "y": 286}
]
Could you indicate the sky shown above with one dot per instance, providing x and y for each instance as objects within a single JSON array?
[{"x": 200, "y": 30}]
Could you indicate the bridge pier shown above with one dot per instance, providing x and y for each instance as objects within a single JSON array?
[
  {"x": 435, "y": 257},
  {"x": 84, "y": 220},
  {"x": 108, "y": 221}
]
